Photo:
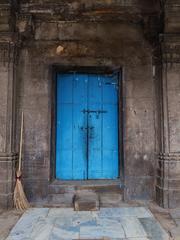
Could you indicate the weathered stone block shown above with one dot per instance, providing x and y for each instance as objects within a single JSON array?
[
  {"x": 46, "y": 31},
  {"x": 110, "y": 199},
  {"x": 86, "y": 201},
  {"x": 61, "y": 200},
  {"x": 6, "y": 201},
  {"x": 139, "y": 188}
]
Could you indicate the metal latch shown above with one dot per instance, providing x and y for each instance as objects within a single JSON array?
[{"x": 94, "y": 111}]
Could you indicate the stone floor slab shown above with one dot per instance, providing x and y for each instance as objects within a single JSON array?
[
  {"x": 132, "y": 227},
  {"x": 153, "y": 229},
  {"x": 66, "y": 224},
  {"x": 125, "y": 212},
  {"x": 60, "y": 233},
  {"x": 27, "y": 222}
]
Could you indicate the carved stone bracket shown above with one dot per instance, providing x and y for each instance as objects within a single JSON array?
[
  {"x": 25, "y": 25},
  {"x": 170, "y": 48}
]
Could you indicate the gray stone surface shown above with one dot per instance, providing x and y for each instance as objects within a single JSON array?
[
  {"x": 93, "y": 33},
  {"x": 62, "y": 224},
  {"x": 153, "y": 229},
  {"x": 85, "y": 200}
]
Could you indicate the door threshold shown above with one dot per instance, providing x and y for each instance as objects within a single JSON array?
[{"x": 99, "y": 182}]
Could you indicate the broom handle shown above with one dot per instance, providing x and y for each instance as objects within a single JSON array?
[{"x": 21, "y": 141}]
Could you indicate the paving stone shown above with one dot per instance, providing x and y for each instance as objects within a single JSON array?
[
  {"x": 153, "y": 229},
  {"x": 64, "y": 233},
  {"x": 84, "y": 219},
  {"x": 18, "y": 238},
  {"x": 101, "y": 232},
  {"x": 104, "y": 222},
  {"x": 66, "y": 224},
  {"x": 125, "y": 212},
  {"x": 63, "y": 222},
  {"x": 27, "y": 222},
  {"x": 139, "y": 238},
  {"x": 61, "y": 212},
  {"x": 42, "y": 230},
  {"x": 132, "y": 227}
]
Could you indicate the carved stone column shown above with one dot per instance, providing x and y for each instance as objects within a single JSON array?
[
  {"x": 168, "y": 176},
  {"x": 8, "y": 56}
]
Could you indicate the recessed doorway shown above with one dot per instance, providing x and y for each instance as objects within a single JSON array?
[{"x": 87, "y": 132}]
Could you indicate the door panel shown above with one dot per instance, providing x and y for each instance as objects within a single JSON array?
[
  {"x": 87, "y": 127},
  {"x": 70, "y": 138},
  {"x": 103, "y": 139}
]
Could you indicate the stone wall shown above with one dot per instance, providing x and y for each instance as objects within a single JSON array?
[
  {"x": 100, "y": 35},
  {"x": 114, "y": 34}
]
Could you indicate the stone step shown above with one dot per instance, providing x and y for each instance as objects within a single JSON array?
[
  {"x": 61, "y": 189},
  {"x": 110, "y": 199},
  {"x": 60, "y": 200},
  {"x": 99, "y": 186},
  {"x": 102, "y": 188},
  {"x": 85, "y": 200},
  {"x": 107, "y": 193}
]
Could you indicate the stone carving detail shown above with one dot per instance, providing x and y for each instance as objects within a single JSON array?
[
  {"x": 8, "y": 156},
  {"x": 170, "y": 48},
  {"x": 8, "y": 52},
  {"x": 25, "y": 25},
  {"x": 169, "y": 156}
]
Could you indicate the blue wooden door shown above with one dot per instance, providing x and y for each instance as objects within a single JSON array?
[{"x": 87, "y": 127}]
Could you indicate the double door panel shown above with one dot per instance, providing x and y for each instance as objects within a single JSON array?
[{"x": 87, "y": 127}]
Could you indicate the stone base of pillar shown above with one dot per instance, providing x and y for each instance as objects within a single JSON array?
[
  {"x": 7, "y": 179},
  {"x": 168, "y": 181}
]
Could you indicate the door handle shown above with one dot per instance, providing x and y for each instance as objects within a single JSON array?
[{"x": 93, "y": 111}]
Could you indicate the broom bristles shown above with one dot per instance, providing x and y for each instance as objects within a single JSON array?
[{"x": 20, "y": 200}]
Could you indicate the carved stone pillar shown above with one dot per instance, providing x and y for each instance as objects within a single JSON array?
[
  {"x": 168, "y": 176},
  {"x": 7, "y": 118}
]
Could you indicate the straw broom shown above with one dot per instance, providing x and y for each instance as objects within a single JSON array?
[{"x": 20, "y": 200}]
